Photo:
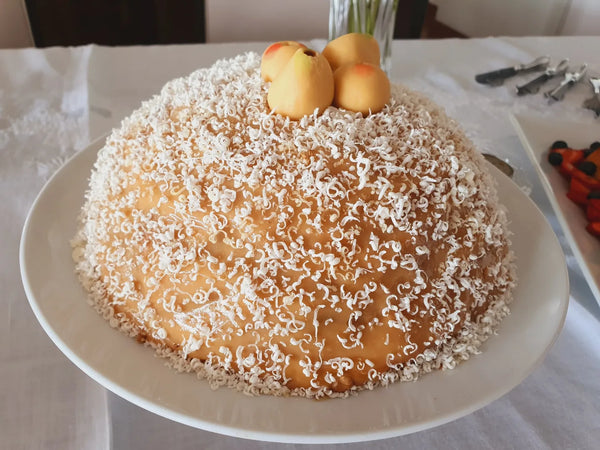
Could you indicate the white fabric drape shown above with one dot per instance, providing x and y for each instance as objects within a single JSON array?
[{"x": 55, "y": 101}]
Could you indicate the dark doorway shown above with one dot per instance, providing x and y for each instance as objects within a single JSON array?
[{"x": 116, "y": 22}]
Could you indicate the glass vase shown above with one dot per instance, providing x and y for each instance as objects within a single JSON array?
[{"x": 374, "y": 17}]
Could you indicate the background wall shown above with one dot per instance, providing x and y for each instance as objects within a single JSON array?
[
  {"x": 583, "y": 18},
  {"x": 271, "y": 20},
  {"x": 14, "y": 26},
  {"x": 503, "y": 18},
  {"x": 479, "y": 18},
  {"x": 266, "y": 20}
]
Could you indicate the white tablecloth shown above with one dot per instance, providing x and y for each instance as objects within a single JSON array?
[{"x": 53, "y": 102}]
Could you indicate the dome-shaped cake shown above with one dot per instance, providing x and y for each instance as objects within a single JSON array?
[{"x": 313, "y": 257}]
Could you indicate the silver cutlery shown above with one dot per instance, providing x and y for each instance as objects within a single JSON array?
[
  {"x": 503, "y": 166},
  {"x": 533, "y": 86},
  {"x": 497, "y": 77},
  {"x": 593, "y": 102},
  {"x": 570, "y": 79}
]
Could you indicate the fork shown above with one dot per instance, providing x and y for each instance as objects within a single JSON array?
[
  {"x": 593, "y": 102},
  {"x": 533, "y": 86},
  {"x": 558, "y": 93}
]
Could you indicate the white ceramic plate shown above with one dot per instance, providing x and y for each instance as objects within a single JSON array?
[
  {"x": 133, "y": 372},
  {"x": 537, "y": 135}
]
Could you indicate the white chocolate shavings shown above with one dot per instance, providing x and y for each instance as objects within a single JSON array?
[{"x": 315, "y": 257}]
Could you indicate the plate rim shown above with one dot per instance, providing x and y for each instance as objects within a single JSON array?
[{"x": 273, "y": 436}]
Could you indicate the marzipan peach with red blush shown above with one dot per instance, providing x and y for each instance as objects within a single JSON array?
[
  {"x": 303, "y": 85},
  {"x": 352, "y": 48},
  {"x": 361, "y": 87},
  {"x": 276, "y": 56}
]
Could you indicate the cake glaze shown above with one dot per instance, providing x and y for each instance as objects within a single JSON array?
[{"x": 314, "y": 257}]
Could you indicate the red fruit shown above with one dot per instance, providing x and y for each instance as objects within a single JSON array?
[
  {"x": 591, "y": 163},
  {"x": 578, "y": 192},
  {"x": 593, "y": 228},
  {"x": 566, "y": 159},
  {"x": 588, "y": 181},
  {"x": 592, "y": 212}
]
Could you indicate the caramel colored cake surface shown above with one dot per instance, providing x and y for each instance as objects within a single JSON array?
[{"x": 314, "y": 257}]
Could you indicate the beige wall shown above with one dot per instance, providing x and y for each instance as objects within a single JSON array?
[
  {"x": 14, "y": 25},
  {"x": 583, "y": 18},
  {"x": 227, "y": 21},
  {"x": 479, "y": 18},
  {"x": 271, "y": 20},
  {"x": 266, "y": 20}
]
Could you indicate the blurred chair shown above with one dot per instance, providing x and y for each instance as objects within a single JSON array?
[{"x": 410, "y": 18}]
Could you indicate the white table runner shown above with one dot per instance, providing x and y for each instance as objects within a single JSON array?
[{"x": 54, "y": 101}]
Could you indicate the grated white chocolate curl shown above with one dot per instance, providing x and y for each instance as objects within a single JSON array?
[{"x": 315, "y": 257}]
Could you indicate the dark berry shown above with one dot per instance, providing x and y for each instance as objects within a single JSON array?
[
  {"x": 559, "y": 144},
  {"x": 555, "y": 159},
  {"x": 587, "y": 167},
  {"x": 593, "y": 194}
]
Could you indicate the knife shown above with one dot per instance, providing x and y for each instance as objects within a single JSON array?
[
  {"x": 497, "y": 77},
  {"x": 558, "y": 93},
  {"x": 533, "y": 86}
]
